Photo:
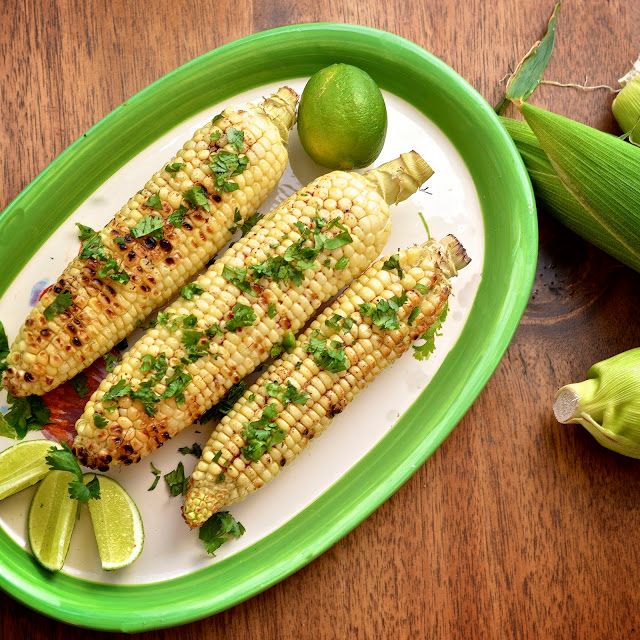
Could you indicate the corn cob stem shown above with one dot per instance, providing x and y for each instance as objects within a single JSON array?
[
  {"x": 160, "y": 239},
  {"x": 234, "y": 464},
  {"x": 263, "y": 289}
]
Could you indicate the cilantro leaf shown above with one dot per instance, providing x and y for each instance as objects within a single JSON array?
[
  {"x": 118, "y": 390},
  {"x": 393, "y": 263},
  {"x": 80, "y": 386},
  {"x": 415, "y": 312},
  {"x": 340, "y": 240},
  {"x": 243, "y": 316},
  {"x": 112, "y": 270},
  {"x": 84, "y": 232},
  {"x": 149, "y": 226},
  {"x": 92, "y": 247},
  {"x": 82, "y": 492},
  {"x": 238, "y": 277},
  {"x": 342, "y": 263},
  {"x": 177, "y": 217},
  {"x": 286, "y": 395},
  {"x": 62, "y": 459},
  {"x": 174, "y": 167},
  {"x": 328, "y": 354},
  {"x": 424, "y": 350},
  {"x": 226, "y": 404},
  {"x": 154, "y": 202},
  {"x": 176, "y": 481},
  {"x": 110, "y": 361},
  {"x": 191, "y": 290},
  {"x": 271, "y": 310},
  {"x": 250, "y": 222},
  {"x": 235, "y": 138},
  {"x": 218, "y": 529},
  {"x": 262, "y": 434},
  {"x": 156, "y": 472},
  {"x": 99, "y": 421},
  {"x": 176, "y": 385},
  {"x": 197, "y": 197},
  {"x": 420, "y": 288},
  {"x": 384, "y": 313},
  {"x": 60, "y": 304},
  {"x": 194, "y": 450},
  {"x": 25, "y": 414},
  {"x": 6, "y": 430}
]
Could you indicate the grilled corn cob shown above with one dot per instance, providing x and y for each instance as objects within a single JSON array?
[
  {"x": 368, "y": 327},
  {"x": 161, "y": 237},
  {"x": 255, "y": 297}
]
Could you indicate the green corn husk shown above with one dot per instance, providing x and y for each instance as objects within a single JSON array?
[
  {"x": 626, "y": 108},
  {"x": 550, "y": 190},
  {"x": 607, "y": 404}
]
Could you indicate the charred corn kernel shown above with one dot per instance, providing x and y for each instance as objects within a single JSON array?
[
  {"x": 234, "y": 464},
  {"x": 192, "y": 200},
  {"x": 265, "y": 286}
]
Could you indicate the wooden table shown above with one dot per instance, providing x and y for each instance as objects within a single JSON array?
[{"x": 517, "y": 526}]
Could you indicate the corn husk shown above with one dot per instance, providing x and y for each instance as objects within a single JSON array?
[
  {"x": 607, "y": 404},
  {"x": 551, "y": 192},
  {"x": 626, "y": 107},
  {"x": 601, "y": 172}
]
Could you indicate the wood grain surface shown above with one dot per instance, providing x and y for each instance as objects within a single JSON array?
[{"x": 517, "y": 527}]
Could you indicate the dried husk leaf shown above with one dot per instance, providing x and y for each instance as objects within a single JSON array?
[
  {"x": 550, "y": 191},
  {"x": 607, "y": 404},
  {"x": 600, "y": 171}
]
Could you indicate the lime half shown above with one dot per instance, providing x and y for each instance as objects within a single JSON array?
[
  {"x": 117, "y": 525},
  {"x": 51, "y": 520},
  {"x": 22, "y": 465}
]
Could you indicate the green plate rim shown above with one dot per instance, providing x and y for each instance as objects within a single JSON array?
[{"x": 511, "y": 240}]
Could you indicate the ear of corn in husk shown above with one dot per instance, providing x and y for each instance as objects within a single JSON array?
[
  {"x": 607, "y": 404},
  {"x": 601, "y": 172},
  {"x": 626, "y": 106},
  {"x": 550, "y": 191}
]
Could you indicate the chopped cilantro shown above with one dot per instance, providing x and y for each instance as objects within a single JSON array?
[
  {"x": 177, "y": 384},
  {"x": 215, "y": 135},
  {"x": 384, "y": 314},
  {"x": 225, "y": 165},
  {"x": 79, "y": 384},
  {"x": 62, "y": 459},
  {"x": 174, "y": 167},
  {"x": 25, "y": 414},
  {"x": 424, "y": 350},
  {"x": 110, "y": 361},
  {"x": 149, "y": 226},
  {"x": 393, "y": 263},
  {"x": 84, "y": 232},
  {"x": 195, "y": 345},
  {"x": 340, "y": 323},
  {"x": 60, "y": 304},
  {"x": 118, "y": 390},
  {"x": 288, "y": 344},
  {"x": 328, "y": 354},
  {"x": 147, "y": 396},
  {"x": 262, "y": 434},
  {"x": 92, "y": 247},
  {"x": 237, "y": 219},
  {"x": 99, "y": 421},
  {"x": 342, "y": 263},
  {"x": 242, "y": 316},
  {"x": 111, "y": 269},
  {"x": 271, "y": 310},
  {"x": 287, "y": 394},
  {"x": 194, "y": 450},
  {"x": 415, "y": 312},
  {"x": 420, "y": 288},
  {"x": 214, "y": 330},
  {"x": 176, "y": 481},
  {"x": 157, "y": 364},
  {"x": 191, "y": 290},
  {"x": 156, "y": 472},
  {"x": 177, "y": 217},
  {"x": 154, "y": 202},
  {"x": 197, "y": 197},
  {"x": 235, "y": 138},
  {"x": 238, "y": 277},
  {"x": 218, "y": 529},
  {"x": 121, "y": 242},
  {"x": 250, "y": 222},
  {"x": 189, "y": 321}
]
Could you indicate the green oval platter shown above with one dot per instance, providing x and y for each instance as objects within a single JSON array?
[{"x": 508, "y": 209}]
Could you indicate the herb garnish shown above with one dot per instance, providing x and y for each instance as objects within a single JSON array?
[
  {"x": 99, "y": 421},
  {"x": 177, "y": 384},
  {"x": 118, "y": 390},
  {"x": 287, "y": 394},
  {"x": 235, "y": 138},
  {"x": 225, "y": 165},
  {"x": 194, "y": 450},
  {"x": 250, "y": 222},
  {"x": 243, "y": 316},
  {"x": 60, "y": 304},
  {"x": 288, "y": 344},
  {"x": 177, "y": 217},
  {"x": 423, "y": 351},
  {"x": 191, "y": 290},
  {"x": 218, "y": 529},
  {"x": 64, "y": 460},
  {"x": 112, "y": 270},
  {"x": 420, "y": 288},
  {"x": 176, "y": 481},
  {"x": 342, "y": 263},
  {"x": 393, "y": 262},
  {"x": 174, "y": 167},
  {"x": 110, "y": 361},
  {"x": 384, "y": 314},
  {"x": 25, "y": 414},
  {"x": 328, "y": 354},
  {"x": 238, "y": 277},
  {"x": 153, "y": 202},
  {"x": 226, "y": 404},
  {"x": 340, "y": 323},
  {"x": 262, "y": 434},
  {"x": 79, "y": 384},
  {"x": 415, "y": 312},
  {"x": 149, "y": 226},
  {"x": 156, "y": 472},
  {"x": 197, "y": 197},
  {"x": 271, "y": 310}
]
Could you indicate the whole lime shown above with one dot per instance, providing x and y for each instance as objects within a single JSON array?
[{"x": 342, "y": 118}]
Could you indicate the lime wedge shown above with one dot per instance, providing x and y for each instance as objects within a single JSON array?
[
  {"x": 51, "y": 520},
  {"x": 22, "y": 465},
  {"x": 117, "y": 525}
]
